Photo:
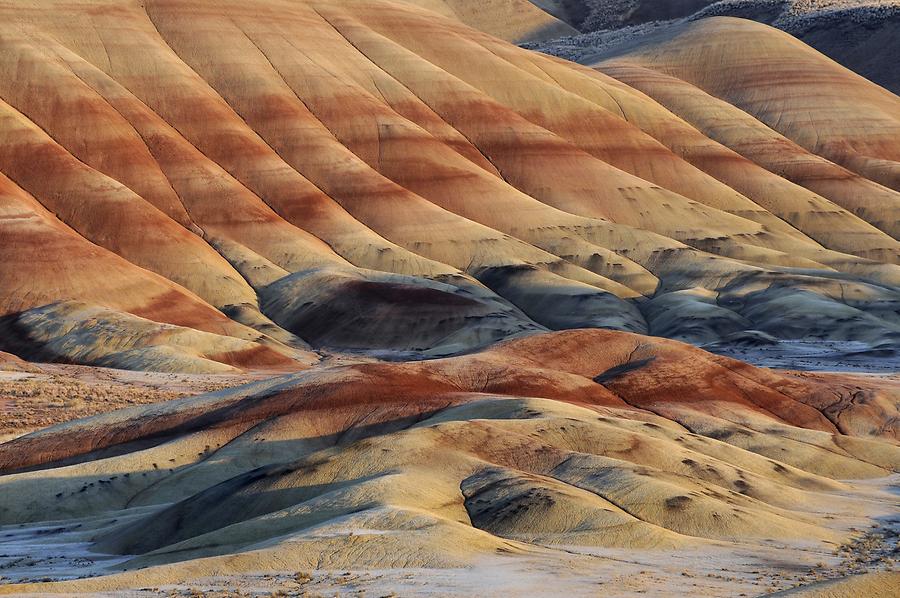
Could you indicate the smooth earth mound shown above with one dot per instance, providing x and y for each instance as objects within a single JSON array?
[
  {"x": 574, "y": 439},
  {"x": 261, "y": 179},
  {"x": 863, "y": 35}
]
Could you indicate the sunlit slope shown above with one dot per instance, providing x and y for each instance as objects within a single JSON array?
[
  {"x": 860, "y": 34},
  {"x": 374, "y": 175},
  {"x": 810, "y": 99},
  {"x": 512, "y": 20}
]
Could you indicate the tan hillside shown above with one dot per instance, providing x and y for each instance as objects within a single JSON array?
[
  {"x": 587, "y": 438},
  {"x": 513, "y": 20},
  {"x": 821, "y": 106},
  {"x": 862, "y": 35},
  {"x": 369, "y": 175}
]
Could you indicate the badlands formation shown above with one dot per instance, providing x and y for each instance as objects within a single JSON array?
[
  {"x": 462, "y": 275},
  {"x": 863, "y": 35},
  {"x": 200, "y": 186},
  {"x": 561, "y": 460}
]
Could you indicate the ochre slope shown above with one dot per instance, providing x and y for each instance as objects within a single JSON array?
[
  {"x": 820, "y": 105},
  {"x": 512, "y": 20},
  {"x": 334, "y": 152},
  {"x": 762, "y": 146},
  {"x": 862, "y": 35}
]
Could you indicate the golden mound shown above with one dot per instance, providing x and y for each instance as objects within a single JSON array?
[
  {"x": 860, "y": 34},
  {"x": 583, "y": 438},
  {"x": 366, "y": 175},
  {"x": 513, "y": 20},
  {"x": 11, "y": 363},
  {"x": 855, "y": 123},
  {"x": 872, "y": 585}
]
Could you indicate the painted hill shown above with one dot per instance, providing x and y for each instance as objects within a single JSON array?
[
  {"x": 339, "y": 189},
  {"x": 716, "y": 61},
  {"x": 512, "y": 20},
  {"x": 203, "y": 186},
  {"x": 863, "y": 35},
  {"x": 583, "y": 438}
]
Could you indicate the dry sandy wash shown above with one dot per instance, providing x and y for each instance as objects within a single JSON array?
[
  {"x": 597, "y": 457},
  {"x": 210, "y": 186}
]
